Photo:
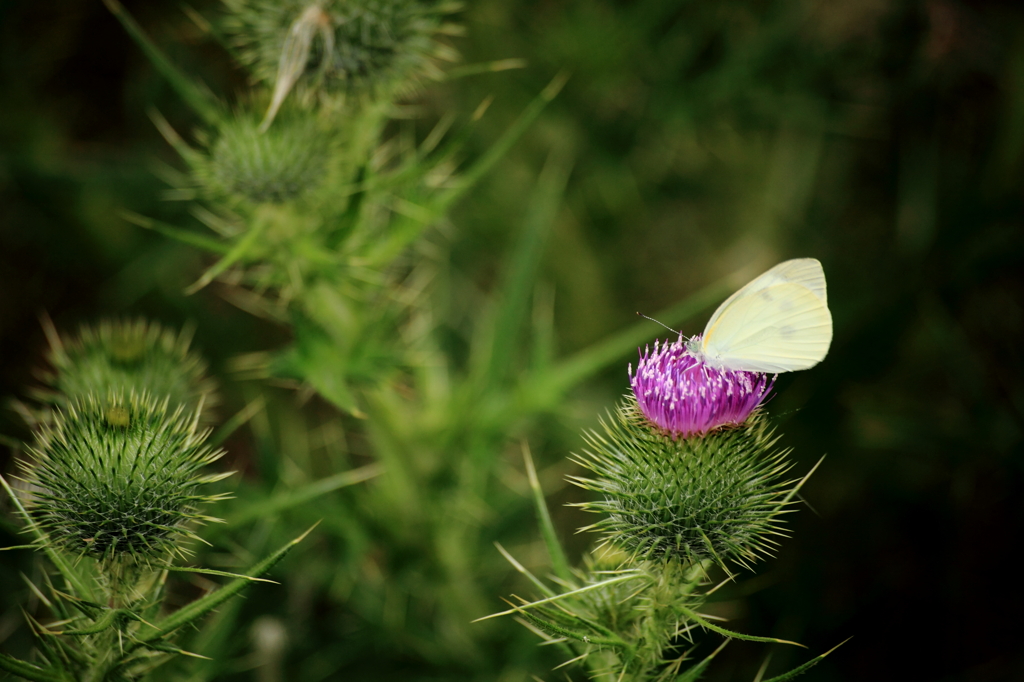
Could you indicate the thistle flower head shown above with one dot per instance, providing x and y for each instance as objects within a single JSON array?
[
  {"x": 716, "y": 496},
  {"x": 119, "y": 477},
  {"x": 125, "y": 357},
  {"x": 682, "y": 395}
]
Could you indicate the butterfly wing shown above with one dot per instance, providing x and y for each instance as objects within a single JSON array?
[
  {"x": 774, "y": 324},
  {"x": 806, "y": 272}
]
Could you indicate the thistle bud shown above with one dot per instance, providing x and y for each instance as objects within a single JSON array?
[
  {"x": 715, "y": 496},
  {"x": 339, "y": 47},
  {"x": 119, "y": 477},
  {"x": 125, "y": 357},
  {"x": 269, "y": 167}
]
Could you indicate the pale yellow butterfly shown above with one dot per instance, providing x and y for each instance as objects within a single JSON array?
[{"x": 779, "y": 322}]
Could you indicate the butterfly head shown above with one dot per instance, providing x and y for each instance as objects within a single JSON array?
[{"x": 695, "y": 346}]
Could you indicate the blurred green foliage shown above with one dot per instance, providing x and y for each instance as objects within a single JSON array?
[{"x": 704, "y": 140}]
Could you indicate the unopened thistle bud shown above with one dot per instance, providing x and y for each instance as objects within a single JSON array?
[
  {"x": 269, "y": 167},
  {"x": 687, "y": 468},
  {"x": 329, "y": 47},
  {"x": 119, "y": 477},
  {"x": 125, "y": 357}
]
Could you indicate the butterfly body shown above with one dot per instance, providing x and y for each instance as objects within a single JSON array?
[{"x": 778, "y": 322}]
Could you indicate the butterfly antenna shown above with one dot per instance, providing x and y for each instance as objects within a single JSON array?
[{"x": 661, "y": 323}]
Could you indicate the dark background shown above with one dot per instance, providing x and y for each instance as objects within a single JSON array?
[{"x": 884, "y": 137}]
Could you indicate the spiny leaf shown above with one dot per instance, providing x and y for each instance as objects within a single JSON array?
[
  {"x": 545, "y": 590},
  {"x": 799, "y": 670},
  {"x": 546, "y": 388},
  {"x": 235, "y": 254},
  {"x": 485, "y": 67},
  {"x": 404, "y": 231},
  {"x": 209, "y": 571},
  {"x": 108, "y": 619},
  {"x": 297, "y": 496},
  {"x": 555, "y": 629},
  {"x": 587, "y": 588},
  {"x": 729, "y": 633},
  {"x": 201, "y": 101},
  {"x": 504, "y": 143},
  {"x": 200, "y": 607},
  {"x": 519, "y": 280},
  {"x": 168, "y": 649},
  {"x": 240, "y": 418},
  {"x": 184, "y": 236},
  {"x": 74, "y": 579},
  {"x": 694, "y": 673},
  {"x": 28, "y": 671},
  {"x": 559, "y": 562}
]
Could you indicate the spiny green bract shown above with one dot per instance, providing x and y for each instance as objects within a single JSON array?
[
  {"x": 275, "y": 166},
  {"x": 128, "y": 356},
  {"x": 118, "y": 478},
  {"x": 716, "y": 496},
  {"x": 381, "y": 47}
]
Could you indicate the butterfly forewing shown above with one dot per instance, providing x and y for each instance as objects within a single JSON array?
[
  {"x": 781, "y": 326},
  {"x": 806, "y": 272}
]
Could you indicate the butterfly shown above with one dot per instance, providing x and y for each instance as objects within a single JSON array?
[{"x": 778, "y": 322}]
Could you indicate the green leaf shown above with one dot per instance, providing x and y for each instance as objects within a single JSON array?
[
  {"x": 184, "y": 236},
  {"x": 632, "y": 575},
  {"x": 692, "y": 615},
  {"x": 548, "y": 387},
  {"x": 333, "y": 387},
  {"x": 210, "y": 638},
  {"x": 516, "y": 292},
  {"x": 107, "y": 620},
  {"x": 201, "y": 101},
  {"x": 545, "y": 590},
  {"x": 806, "y": 666},
  {"x": 237, "y": 252},
  {"x": 210, "y": 571},
  {"x": 168, "y": 649},
  {"x": 240, "y": 418},
  {"x": 559, "y": 562},
  {"x": 211, "y": 29},
  {"x": 301, "y": 495},
  {"x": 555, "y": 629},
  {"x": 402, "y": 232},
  {"x": 201, "y": 607},
  {"x": 484, "y": 67},
  {"x": 28, "y": 671},
  {"x": 503, "y": 144},
  {"x": 694, "y": 673}
]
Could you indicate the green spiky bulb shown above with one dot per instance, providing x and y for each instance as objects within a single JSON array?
[
  {"x": 125, "y": 357},
  {"x": 341, "y": 47},
  {"x": 271, "y": 167},
  {"x": 716, "y": 496},
  {"x": 119, "y": 478}
]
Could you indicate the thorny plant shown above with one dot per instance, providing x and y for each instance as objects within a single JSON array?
[
  {"x": 112, "y": 493},
  {"x": 320, "y": 218},
  {"x": 690, "y": 480}
]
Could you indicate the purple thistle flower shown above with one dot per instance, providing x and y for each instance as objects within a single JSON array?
[{"x": 681, "y": 394}]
